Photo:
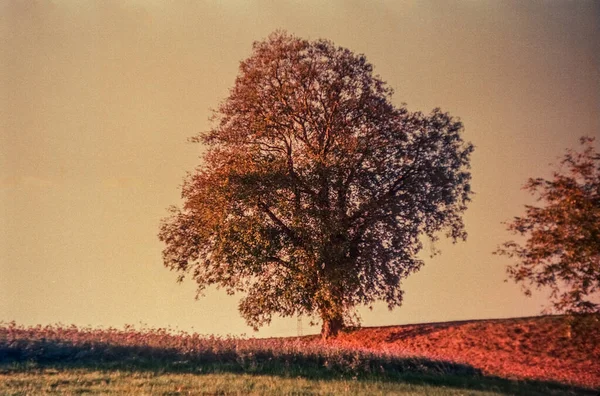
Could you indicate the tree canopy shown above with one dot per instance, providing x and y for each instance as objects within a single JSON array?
[
  {"x": 562, "y": 238},
  {"x": 315, "y": 190}
]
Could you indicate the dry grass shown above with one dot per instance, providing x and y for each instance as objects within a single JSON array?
[
  {"x": 542, "y": 348},
  {"x": 490, "y": 356}
]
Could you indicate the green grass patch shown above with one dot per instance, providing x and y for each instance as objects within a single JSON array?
[
  {"x": 79, "y": 381},
  {"x": 227, "y": 378}
]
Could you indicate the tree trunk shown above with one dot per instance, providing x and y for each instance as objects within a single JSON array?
[{"x": 332, "y": 326}]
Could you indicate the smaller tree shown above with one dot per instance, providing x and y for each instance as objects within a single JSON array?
[{"x": 562, "y": 248}]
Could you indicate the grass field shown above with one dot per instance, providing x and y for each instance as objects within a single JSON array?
[
  {"x": 543, "y": 348},
  {"x": 476, "y": 357},
  {"x": 117, "y": 382},
  {"x": 70, "y": 380},
  {"x": 78, "y": 381}
]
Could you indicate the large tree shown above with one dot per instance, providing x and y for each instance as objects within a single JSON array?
[
  {"x": 561, "y": 250},
  {"x": 315, "y": 190}
]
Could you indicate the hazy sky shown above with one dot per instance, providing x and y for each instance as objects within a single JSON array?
[{"x": 98, "y": 98}]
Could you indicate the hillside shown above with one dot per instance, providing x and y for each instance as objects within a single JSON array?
[
  {"x": 510, "y": 356},
  {"x": 544, "y": 348}
]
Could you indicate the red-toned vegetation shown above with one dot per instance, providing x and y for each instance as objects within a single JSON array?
[
  {"x": 544, "y": 348},
  {"x": 162, "y": 350}
]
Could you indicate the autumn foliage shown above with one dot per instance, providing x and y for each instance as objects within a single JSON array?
[
  {"x": 316, "y": 190},
  {"x": 561, "y": 250}
]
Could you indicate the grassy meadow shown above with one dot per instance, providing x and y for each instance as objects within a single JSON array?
[
  {"x": 71, "y": 360},
  {"x": 78, "y": 381}
]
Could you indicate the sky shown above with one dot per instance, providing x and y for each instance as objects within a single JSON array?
[{"x": 98, "y": 99}]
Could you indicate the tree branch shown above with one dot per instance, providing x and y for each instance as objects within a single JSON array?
[{"x": 284, "y": 228}]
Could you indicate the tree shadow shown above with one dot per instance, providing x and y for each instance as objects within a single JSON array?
[
  {"x": 421, "y": 330},
  {"x": 348, "y": 364}
]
